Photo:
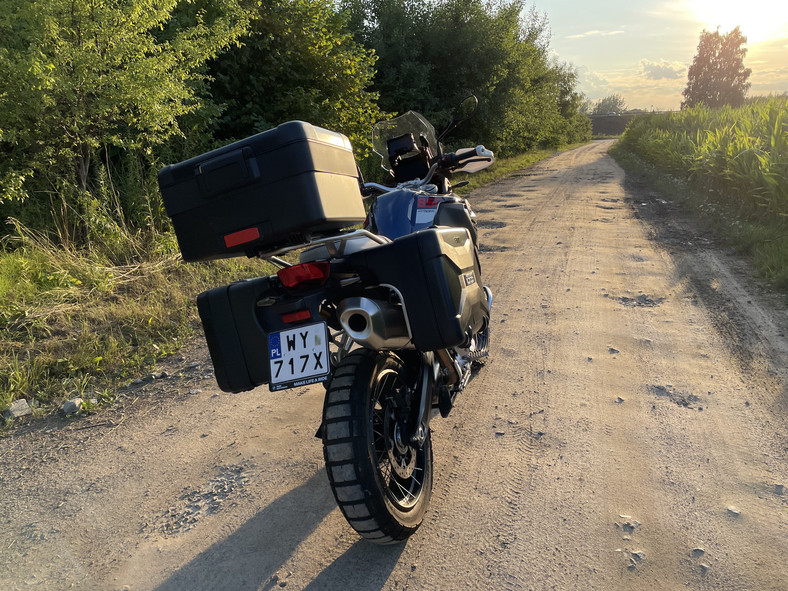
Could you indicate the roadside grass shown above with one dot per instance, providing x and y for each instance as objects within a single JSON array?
[
  {"x": 762, "y": 238},
  {"x": 72, "y": 323}
]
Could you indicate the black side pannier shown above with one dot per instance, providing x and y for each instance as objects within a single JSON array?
[
  {"x": 437, "y": 273},
  {"x": 233, "y": 320}
]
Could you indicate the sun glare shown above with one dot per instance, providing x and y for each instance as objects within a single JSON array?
[{"x": 759, "y": 20}]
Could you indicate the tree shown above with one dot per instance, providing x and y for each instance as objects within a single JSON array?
[
  {"x": 298, "y": 61},
  {"x": 613, "y": 103},
  {"x": 717, "y": 75},
  {"x": 432, "y": 54},
  {"x": 576, "y": 124},
  {"x": 394, "y": 30},
  {"x": 79, "y": 78}
]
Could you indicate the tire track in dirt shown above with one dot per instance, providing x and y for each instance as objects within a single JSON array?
[{"x": 517, "y": 373}]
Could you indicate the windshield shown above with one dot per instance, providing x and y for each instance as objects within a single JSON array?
[{"x": 411, "y": 123}]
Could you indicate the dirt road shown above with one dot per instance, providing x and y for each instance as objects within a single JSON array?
[{"x": 628, "y": 432}]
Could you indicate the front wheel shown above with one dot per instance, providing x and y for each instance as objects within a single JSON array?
[{"x": 382, "y": 482}]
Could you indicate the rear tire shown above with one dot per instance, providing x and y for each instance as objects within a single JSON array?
[{"x": 381, "y": 481}]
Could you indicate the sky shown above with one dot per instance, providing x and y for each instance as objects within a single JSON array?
[{"x": 641, "y": 50}]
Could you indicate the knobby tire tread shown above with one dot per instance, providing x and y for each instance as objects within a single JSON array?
[{"x": 349, "y": 470}]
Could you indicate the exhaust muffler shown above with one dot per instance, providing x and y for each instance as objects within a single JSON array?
[{"x": 374, "y": 324}]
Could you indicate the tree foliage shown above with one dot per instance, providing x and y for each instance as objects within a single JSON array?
[
  {"x": 78, "y": 76},
  {"x": 717, "y": 76},
  {"x": 297, "y": 61},
  {"x": 90, "y": 86},
  {"x": 96, "y": 94}
]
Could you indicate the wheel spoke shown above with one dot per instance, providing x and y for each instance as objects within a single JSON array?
[
  {"x": 404, "y": 492},
  {"x": 407, "y": 494}
]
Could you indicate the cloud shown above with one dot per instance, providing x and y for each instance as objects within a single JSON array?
[
  {"x": 662, "y": 70},
  {"x": 638, "y": 91},
  {"x": 595, "y": 34},
  {"x": 592, "y": 84}
]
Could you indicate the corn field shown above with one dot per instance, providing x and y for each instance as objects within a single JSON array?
[{"x": 739, "y": 154}]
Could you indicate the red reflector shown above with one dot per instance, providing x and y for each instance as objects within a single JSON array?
[
  {"x": 296, "y": 316},
  {"x": 304, "y": 276},
  {"x": 429, "y": 201},
  {"x": 241, "y": 237}
]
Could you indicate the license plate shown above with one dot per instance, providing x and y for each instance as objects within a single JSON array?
[
  {"x": 298, "y": 356},
  {"x": 426, "y": 208},
  {"x": 425, "y": 215}
]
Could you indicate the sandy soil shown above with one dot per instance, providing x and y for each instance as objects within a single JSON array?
[{"x": 628, "y": 432}]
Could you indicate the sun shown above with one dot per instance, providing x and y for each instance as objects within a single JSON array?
[{"x": 759, "y": 20}]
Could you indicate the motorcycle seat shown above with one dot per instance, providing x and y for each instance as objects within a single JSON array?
[{"x": 339, "y": 248}]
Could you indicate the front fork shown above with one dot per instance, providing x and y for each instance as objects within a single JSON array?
[
  {"x": 441, "y": 377},
  {"x": 428, "y": 378}
]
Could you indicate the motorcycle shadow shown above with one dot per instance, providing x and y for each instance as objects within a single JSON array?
[
  {"x": 250, "y": 558},
  {"x": 362, "y": 566}
]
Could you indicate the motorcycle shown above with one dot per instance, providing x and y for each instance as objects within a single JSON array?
[{"x": 392, "y": 318}]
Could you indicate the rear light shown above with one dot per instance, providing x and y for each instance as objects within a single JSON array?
[{"x": 304, "y": 276}]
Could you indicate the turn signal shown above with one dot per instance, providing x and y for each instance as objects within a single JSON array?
[{"x": 304, "y": 276}]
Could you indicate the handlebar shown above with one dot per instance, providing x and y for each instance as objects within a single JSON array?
[
  {"x": 370, "y": 187},
  {"x": 446, "y": 162},
  {"x": 483, "y": 152},
  {"x": 458, "y": 158}
]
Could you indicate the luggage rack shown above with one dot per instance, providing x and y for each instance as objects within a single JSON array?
[{"x": 336, "y": 246}]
